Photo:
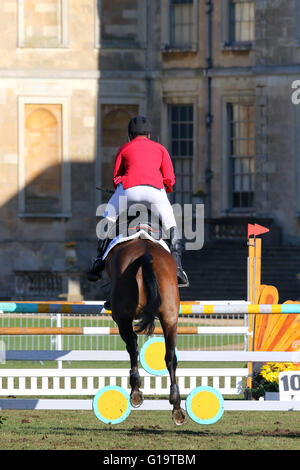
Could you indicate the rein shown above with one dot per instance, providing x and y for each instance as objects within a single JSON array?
[{"x": 107, "y": 191}]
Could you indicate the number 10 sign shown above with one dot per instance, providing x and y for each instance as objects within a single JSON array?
[{"x": 289, "y": 385}]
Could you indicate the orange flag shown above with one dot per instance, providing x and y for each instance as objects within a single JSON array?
[{"x": 256, "y": 230}]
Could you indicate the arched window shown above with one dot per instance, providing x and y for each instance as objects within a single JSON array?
[{"x": 43, "y": 157}]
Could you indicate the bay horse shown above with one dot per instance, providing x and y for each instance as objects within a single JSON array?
[{"x": 144, "y": 286}]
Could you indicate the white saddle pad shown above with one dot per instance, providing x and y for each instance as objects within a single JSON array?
[{"x": 140, "y": 234}]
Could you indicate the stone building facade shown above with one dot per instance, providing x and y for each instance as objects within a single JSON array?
[{"x": 215, "y": 78}]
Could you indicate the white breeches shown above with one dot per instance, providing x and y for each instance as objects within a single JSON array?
[{"x": 153, "y": 198}]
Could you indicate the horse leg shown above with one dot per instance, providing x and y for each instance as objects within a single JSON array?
[
  {"x": 130, "y": 339},
  {"x": 170, "y": 333}
]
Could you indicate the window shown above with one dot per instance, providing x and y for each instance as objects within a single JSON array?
[
  {"x": 43, "y": 157},
  {"x": 182, "y": 23},
  {"x": 44, "y": 169},
  {"x": 181, "y": 122},
  {"x": 120, "y": 24},
  {"x": 43, "y": 23},
  {"x": 241, "y": 21},
  {"x": 241, "y": 155},
  {"x": 118, "y": 21}
]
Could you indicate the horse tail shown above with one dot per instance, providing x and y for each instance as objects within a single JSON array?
[{"x": 153, "y": 299}]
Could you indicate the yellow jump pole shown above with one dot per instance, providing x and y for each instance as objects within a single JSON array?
[
  {"x": 251, "y": 263},
  {"x": 254, "y": 282}
]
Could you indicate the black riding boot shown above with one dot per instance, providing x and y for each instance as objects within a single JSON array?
[
  {"x": 98, "y": 265},
  {"x": 176, "y": 251}
]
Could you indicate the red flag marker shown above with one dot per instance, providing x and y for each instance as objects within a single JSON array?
[
  {"x": 256, "y": 230},
  {"x": 250, "y": 230}
]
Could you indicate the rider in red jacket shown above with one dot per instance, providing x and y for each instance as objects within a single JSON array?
[
  {"x": 143, "y": 172},
  {"x": 144, "y": 162}
]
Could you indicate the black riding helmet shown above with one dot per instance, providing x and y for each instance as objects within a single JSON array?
[{"x": 139, "y": 125}]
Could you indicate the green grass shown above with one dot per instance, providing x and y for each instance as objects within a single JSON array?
[{"x": 145, "y": 430}]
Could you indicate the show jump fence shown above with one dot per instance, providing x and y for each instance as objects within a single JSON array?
[
  {"x": 86, "y": 382},
  {"x": 94, "y": 329}
]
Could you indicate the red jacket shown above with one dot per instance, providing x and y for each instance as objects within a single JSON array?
[{"x": 143, "y": 161}]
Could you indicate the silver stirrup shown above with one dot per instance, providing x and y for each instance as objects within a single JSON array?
[{"x": 187, "y": 283}]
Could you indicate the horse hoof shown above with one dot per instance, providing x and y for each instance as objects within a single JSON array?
[
  {"x": 136, "y": 398},
  {"x": 179, "y": 416}
]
